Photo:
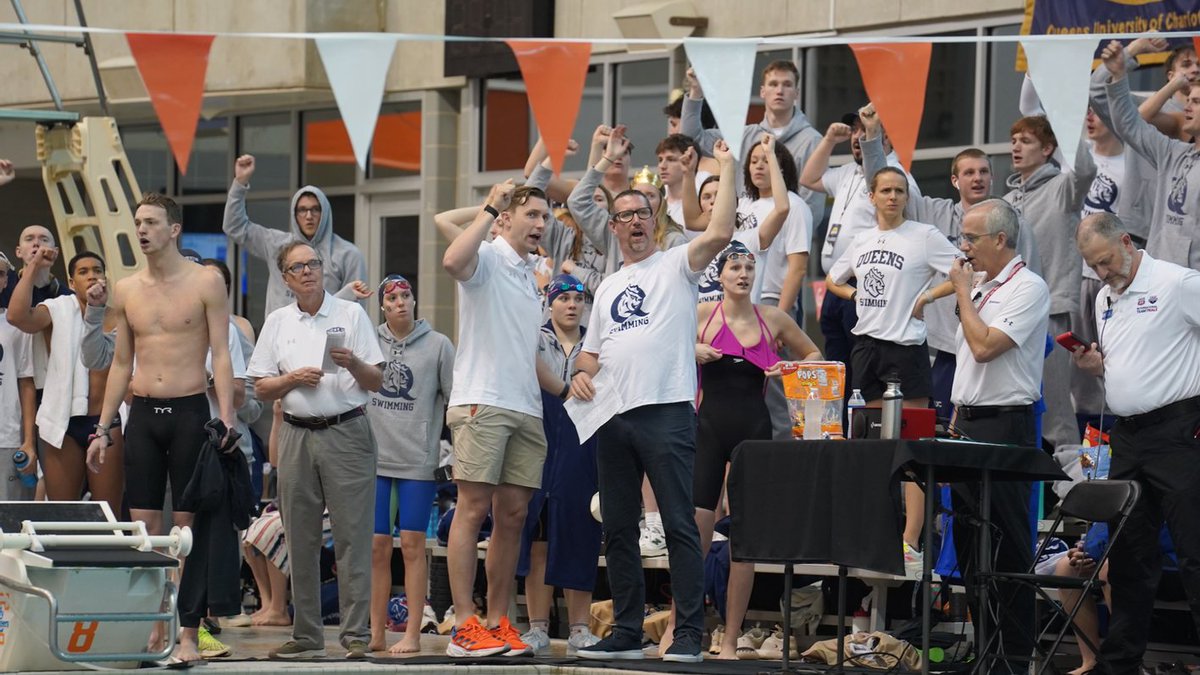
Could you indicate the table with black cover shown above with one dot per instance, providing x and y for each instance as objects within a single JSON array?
[{"x": 831, "y": 502}]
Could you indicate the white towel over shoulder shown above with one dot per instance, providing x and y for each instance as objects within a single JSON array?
[{"x": 66, "y": 392}]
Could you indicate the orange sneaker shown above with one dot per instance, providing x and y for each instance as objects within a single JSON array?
[
  {"x": 472, "y": 639},
  {"x": 509, "y": 635}
]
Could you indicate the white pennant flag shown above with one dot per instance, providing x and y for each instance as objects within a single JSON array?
[
  {"x": 1061, "y": 72},
  {"x": 357, "y": 69},
  {"x": 725, "y": 69}
]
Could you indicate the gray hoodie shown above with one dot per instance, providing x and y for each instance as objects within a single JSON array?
[
  {"x": 1175, "y": 223},
  {"x": 798, "y": 136},
  {"x": 946, "y": 215},
  {"x": 1050, "y": 201},
  {"x": 408, "y": 411},
  {"x": 343, "y": 261}
]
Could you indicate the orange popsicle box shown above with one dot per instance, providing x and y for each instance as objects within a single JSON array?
[{"x": 825, "y": 379}]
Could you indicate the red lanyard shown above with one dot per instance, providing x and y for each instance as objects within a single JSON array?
[{"x": 1013, "y": 273}]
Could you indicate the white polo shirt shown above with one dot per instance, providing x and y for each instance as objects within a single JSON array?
[
  {"x": 1018, "y": 305},
  {"x": 1151, "y": 338},
  {"x": 893, "y": 268},
  {"x": 499, "y": 318},
  {"x": 643, "y": 324},
  {"x": 292, "y": 339}
]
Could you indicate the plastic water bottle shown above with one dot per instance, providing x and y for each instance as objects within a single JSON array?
[
  {"x": 21, "y": 460},
  {"x": 853, "y": 405},
  {"x": 813, "y": 409},
  {"x": 893, "y": 401},
  {"x": 434, "y": 517}
]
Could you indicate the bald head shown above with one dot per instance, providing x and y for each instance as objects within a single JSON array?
[{"x": 1108, "y": 250}]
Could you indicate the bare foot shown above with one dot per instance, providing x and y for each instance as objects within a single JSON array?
[
  {"x": 156, "y": 644},
  {"x": 272, "y": 619},
  {"x": 665, "y": 643},
  {"x": 409, "y": 645},
  {"x": 186, "y": 651},
  {"x": 376, "y": 645},
  {"x": 728, "y": 652},
  {"x": 1083, "y": 669}
]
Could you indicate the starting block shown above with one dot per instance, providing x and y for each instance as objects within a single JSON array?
[{"x": 78, "y": 587}]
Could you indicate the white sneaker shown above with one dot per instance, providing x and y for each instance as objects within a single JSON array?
[
  {"x": 772, "y": 647},
  {"x": 578, "y": 641},
  {"x": 653, "y": 540},
  {"x": 718, "y": 635},
  {"x": 914, "y": 562},
  {"x": 537, "y": 640}
]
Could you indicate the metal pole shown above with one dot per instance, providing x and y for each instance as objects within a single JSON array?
[
  {"x": 91, "y": 55},
  {"x": 31, "y": 45}
]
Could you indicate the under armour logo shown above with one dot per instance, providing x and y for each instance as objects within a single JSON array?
[{"x": 160, "y": 411}]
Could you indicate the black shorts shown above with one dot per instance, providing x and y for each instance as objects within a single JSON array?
[
  {"x": 873, "y": 362},
  {"x": 163, "y": 438},
  {"x": 81, "y": 427}
]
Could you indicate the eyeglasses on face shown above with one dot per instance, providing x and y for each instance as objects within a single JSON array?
[
  {"x": 308, "y": 210},
  {"x": 627, "y": 216},
  {"x": 973, "y": 239},
  {"x": 563, "y": 287},
  {"x": 297, "y": 268}
]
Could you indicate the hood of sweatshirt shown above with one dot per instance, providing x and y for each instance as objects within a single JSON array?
[
  {"x": 1039, "y": 177},
  {"x": 798, "y": 124},
  {"x": 420, "y": 329},
  {"x": 322, "y": 241}
]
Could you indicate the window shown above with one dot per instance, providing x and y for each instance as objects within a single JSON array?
[
  {"x": 933, "y": 177},
  {"x": 510, "y": 130},
  {"x": 269, "y": 139},
  {"x": 396, "y": 147},
  {"x": 401, "y": 248},
  {"x": 149, "y": 157},
  {"x": 203, "y": 218},
  {"x": 328, "y": 156},
  {"x": 838, "y": 87},
  {"x": 949, "y": 96},
  {"x": 642, "y": 88},
  {"x": 342, "y": 207},
  {"x": 210, "y": 168},
  {"x": 1004, "y": 86}
]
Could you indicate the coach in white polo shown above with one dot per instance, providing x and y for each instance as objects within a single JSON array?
[
  {"x": 1148, "y": 323},
  {"x": 495, "y": 408},
  {"x": 998, "y": 376},
  {"x": 326, "y": 449}
]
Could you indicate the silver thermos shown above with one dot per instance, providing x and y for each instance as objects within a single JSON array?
[{"x": 893, "y": 401}]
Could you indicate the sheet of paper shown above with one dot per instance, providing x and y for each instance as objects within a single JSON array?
[
  {"x": 336, "y": 338},
  {"x": 589, "y": 416}
]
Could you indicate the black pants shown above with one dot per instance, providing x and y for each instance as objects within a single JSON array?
[
  {"x": 1012, "y": 540},
  {"x": 1164, "y": 458}
]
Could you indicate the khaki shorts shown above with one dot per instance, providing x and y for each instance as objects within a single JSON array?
[{"x": 496, "y": 446}]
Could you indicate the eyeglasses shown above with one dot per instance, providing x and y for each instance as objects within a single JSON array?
[
  {"x": 315, "y": 265},
  {"x": 973, "y": 239},
  {"x": 563, "y": 287},
  {"x": 396, "y": 285},
  {"x": 308, "y": 211},
  {"x": 627, "y": 216}
]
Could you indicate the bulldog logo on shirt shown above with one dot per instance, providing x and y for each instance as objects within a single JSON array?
[
  {"x": 1177, "y": 199},
  {"x": 1102, "y": 195},
  {"x": 397, "y": 381},
  {"x": 627, "y": 309},
  {"x": 708, "y": 282}
]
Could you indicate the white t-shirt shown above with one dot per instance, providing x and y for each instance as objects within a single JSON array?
[
  {"x": 1151, "y": 343},
  {"x": 792, "y": 238},
  {"x": 16, "y": 361},
  {"x": 1019, "y": 307},
  {"x": 675, "y": 206},
  {"x": 292, "y": 339},
  {"x": 893, "y": 267},
  {"x": 852, "y": 210},
  {"x": 238, "y": 358},
  {"x": 710, "y": 283},
  {"x": 643, "y": 326},
  {"x": 499, "y": 318},
  {"x": 1104, "y": 196}
]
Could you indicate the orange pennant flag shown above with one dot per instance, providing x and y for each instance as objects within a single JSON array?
[
  {"x": 173, "y": 68},
  {"x": 894, "y": 75},
  {"x": 554, "y": 73}
]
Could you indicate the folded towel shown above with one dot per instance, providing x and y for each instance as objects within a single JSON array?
[{"x": 66, "y": 392}]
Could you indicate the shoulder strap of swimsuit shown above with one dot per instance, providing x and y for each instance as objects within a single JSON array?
[
  {"x": 763, "y": 325},
  {"x": 713, "y": 314}
]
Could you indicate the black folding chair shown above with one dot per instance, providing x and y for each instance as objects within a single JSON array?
[{"x": 1109, "y": 501}]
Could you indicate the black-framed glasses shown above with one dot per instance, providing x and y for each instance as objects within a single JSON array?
[
  {"x": 308, "y": 210},
  {"x": 627, "y": 216},
  {"x": 297, "y": 268},
  {"x": 563, "y": 287},
  {"x": 973, "y": 239}
]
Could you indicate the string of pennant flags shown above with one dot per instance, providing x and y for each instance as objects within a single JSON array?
[{"x": 894, "y": 74}]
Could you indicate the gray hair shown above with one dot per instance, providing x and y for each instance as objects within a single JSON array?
[
  {"x": 284, "y": 251},
  {"x": 1001, "y": 217},
  {"x": 1105, "y": 225}
]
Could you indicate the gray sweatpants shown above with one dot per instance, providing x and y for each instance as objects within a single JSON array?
[
  {"x": 332, "y": 468},
  {"x": 1059, "y": 425}
]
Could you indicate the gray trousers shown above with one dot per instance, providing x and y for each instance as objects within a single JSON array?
[
  {"x": 1058, "y": 424},
  {"x": 330, "y": 468}
]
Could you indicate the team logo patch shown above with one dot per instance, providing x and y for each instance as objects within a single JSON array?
[
  {"x": 1141, "y": 301},
  {"x": 397, "y": 381},
  {"x": 628, "y": 304},
  {"x": 873, "y": 283},
  {"x": 1153, "y": 299},
  {"x": 1102, "y": 195},
  {"x": 708, "y": 282}
]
